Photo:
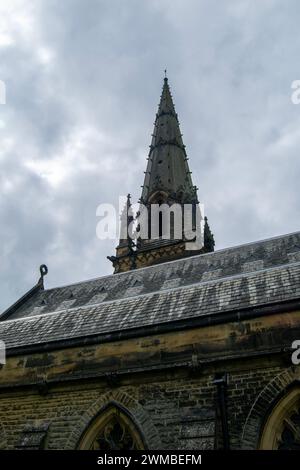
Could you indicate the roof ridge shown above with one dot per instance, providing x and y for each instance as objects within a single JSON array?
[
  {"x": 202, "y": 255},
  {"x": 156, "y": 292}
]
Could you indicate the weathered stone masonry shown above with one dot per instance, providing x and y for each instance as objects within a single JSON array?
[
  {"x": 177, "y": 350},
  {"x": 176, "y": 408}
]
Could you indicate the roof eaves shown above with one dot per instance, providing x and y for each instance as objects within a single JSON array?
[
  {"x": 38, "y": 287},
  {"x": 13, "y": 308}
]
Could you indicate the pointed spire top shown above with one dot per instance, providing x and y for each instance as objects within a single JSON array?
[
  {"x": 209, "y": 240},
  {"x": 166, "y": 105},
  {"x": 127, "y": 210},
  {"x": 167, "y": 169},
  {"x": 126, "y": 217}
]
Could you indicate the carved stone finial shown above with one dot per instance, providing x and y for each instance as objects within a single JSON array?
[
  {"x": 44, "y": 272},
  {"x": 209, "y": 241}
]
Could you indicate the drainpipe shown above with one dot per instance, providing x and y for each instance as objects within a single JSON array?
[{"x": 221, "y": 384}]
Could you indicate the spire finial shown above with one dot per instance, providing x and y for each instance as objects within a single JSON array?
[{"x": 166, "y": 78}]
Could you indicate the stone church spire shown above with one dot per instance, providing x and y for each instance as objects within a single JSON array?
[
  {"x": 167, "y": 176},
  {"x": 167, "y": 181}
]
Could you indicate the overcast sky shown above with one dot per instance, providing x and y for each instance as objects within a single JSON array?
[{"x": 83, "y": 81}]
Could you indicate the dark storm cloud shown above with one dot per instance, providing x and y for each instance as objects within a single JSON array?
[{"x": 83, "y": 82}]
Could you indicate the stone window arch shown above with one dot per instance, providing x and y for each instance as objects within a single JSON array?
[
  {"x": 128, "y": 405},
  {"x": 158, "y": 197},
  {"x": 112, "y": 429},
  {"x": 282, "y": 427},
  {"x": 277, "y": 394},
  {"x": 268, "y": 416}
]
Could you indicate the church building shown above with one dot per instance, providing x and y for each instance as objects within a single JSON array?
[{"x": 178, "y": 349}]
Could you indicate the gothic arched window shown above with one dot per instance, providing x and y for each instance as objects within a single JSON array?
[
  {"x": 282, "y": 428},
  {"x": 112, "y": 430},
  {"x": 290, "y": 436}
]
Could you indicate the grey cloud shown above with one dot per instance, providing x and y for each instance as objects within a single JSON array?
[{"x": 83, "y": 82}]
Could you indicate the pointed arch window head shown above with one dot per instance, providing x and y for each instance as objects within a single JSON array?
[
  {"x": 290, "y": 436},
  {"x": 282, "y": 428},
  {"x": 115, "y": 435},
  {"x": 158, "y": 197},
  {"x": 112, "y": 430}
]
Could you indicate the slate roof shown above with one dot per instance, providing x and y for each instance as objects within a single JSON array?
[{"x": 234, "y": 279}]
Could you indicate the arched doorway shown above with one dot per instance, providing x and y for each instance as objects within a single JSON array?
[
  {"x": 112, "y": 429},
  {"x": 282, "y": 428}
]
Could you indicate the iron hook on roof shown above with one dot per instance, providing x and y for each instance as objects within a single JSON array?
[{"x": 44, "y": 272}]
